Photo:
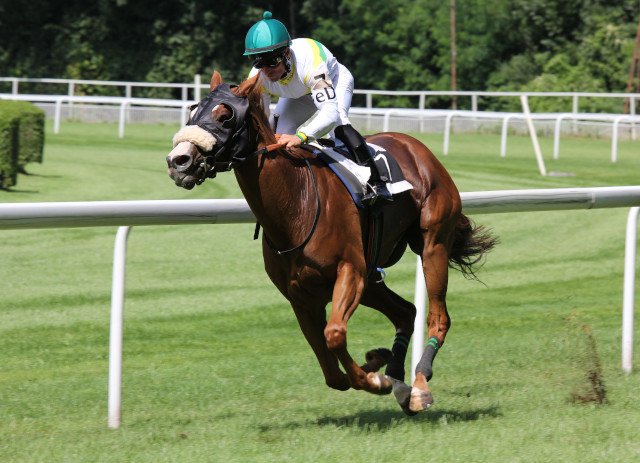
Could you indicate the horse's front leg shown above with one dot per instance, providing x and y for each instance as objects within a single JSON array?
[
  {"x": 312, "y": 321},
  {"x": 310, "y": 312},
  {"x": 346, "y": 296}
]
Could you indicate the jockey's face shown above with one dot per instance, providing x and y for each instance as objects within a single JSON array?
[
  {"x": 274, "y": 73},
  {"x": 273, "y": 67}
]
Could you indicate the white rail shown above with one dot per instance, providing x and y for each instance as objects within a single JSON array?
[
  {"x": 123, "y": 103},
  {"x": 134, "y": 213},
  {"x": 71, "y": 84},
  {"x": 422, "y": 115},
  {"x": 196, "y": 86}
]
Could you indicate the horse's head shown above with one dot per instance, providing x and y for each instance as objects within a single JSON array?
[{"x": 217, "y": 136}]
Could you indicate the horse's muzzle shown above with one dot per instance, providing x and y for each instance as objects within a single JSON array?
[
  {"x": 184, "y": 167},
  {"x": 180, "y": 163}
]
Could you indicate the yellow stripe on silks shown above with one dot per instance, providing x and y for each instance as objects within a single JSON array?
[
  {"x": 319, "y": 56},
  {"x": 289, "y": 77}
]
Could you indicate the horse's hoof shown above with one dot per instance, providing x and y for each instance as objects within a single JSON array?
[
  {"x": 382, "y": 383},
  {"x": 381, "y": 354},
  {"x": 420, "y": 400},
  {"x": 376, "y": 359},
  {"x": 402, "y": 393}
]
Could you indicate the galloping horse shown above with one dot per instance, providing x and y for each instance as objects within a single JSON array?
[{"x": 314, "y": 236}]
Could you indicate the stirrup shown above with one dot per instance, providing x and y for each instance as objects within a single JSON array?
[{"x": 378, "y": 190}]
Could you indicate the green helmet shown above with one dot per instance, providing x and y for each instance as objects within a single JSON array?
[{"x": 266, "y": 35}]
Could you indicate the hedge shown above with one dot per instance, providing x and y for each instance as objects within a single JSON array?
[
  {"x": 9, "y": 124},
  {"x": 21, "y": 138}
]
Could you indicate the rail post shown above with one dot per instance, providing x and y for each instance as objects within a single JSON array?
[
  {"x": 116, "y": 329},
  {"x": 628, "y": 294}
]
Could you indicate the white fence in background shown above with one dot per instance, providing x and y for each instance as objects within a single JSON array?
[
  {"x": 134, "y": 213},
  {"x": 123, "y": 110},
  {"x": 73, "y": 84},
  {"x": 105, "y": 103},
  {"x": 194, "y": 89}
]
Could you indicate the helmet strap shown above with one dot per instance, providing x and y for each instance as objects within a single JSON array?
[{"x": 287, "y": 64}]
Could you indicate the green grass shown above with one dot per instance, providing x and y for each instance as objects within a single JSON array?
[{"x": 216, "y": 370}]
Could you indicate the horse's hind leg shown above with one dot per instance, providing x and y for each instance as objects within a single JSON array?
[
  {"x": 435, "y": 265},
  {"x": 347, "y": 292},
  {"x": 401, "y": 313}
]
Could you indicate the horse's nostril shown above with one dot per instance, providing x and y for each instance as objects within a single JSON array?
[{"x": 181, "y": 162}]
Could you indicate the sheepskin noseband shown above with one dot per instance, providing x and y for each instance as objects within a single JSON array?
[{"x": 196, "y": 135}]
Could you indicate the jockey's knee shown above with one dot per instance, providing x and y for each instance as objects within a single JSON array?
[{"x": 335, "y": 336}]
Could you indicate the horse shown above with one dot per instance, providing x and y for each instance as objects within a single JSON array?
[{"x": 314, "y": 236}]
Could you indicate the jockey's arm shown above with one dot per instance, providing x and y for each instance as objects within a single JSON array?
[
  {"x": 327, "y": 117},
  {"x": 325, "y": 99}
]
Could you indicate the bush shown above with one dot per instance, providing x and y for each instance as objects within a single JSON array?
[
  {"x": 30, "y": 132},
  {"x": 9, "y": 124},
  {"x": 21, "y": 138}
]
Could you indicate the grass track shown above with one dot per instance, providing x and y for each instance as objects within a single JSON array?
[{"x": 216, "y": 368}]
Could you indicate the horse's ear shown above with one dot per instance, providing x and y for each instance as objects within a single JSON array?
[
  {"x": 249, "y": 86},
  {"x": 216, "y": 79}
]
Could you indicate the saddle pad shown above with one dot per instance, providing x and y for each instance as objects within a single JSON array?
[{"x": 355, "y": 177}]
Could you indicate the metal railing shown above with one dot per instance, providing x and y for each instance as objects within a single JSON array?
[{"x": 126, "y": 214}]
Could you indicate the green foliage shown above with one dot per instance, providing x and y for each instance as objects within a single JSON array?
[
  {"x": 30, "y": 131},
  {"x": 9, "y": 124},
  {"x": 21, "y": 138},
  {"x": 585, "y": 52},
  {"x": 387, "y": 44}
]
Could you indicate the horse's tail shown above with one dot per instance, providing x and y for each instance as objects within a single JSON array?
[{"x": 471, "y": 242}]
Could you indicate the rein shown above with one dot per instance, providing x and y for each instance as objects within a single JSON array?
[{"x": 268, "y": 149}]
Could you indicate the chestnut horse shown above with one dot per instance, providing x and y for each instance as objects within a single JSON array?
[{"x": 314, "y": 235}]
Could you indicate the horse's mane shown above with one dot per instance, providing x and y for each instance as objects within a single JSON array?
[{"x": 251, "y": 89}]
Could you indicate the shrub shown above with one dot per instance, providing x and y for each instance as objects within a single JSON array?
[
  {"x": 30, "y": 130},
  {"x": 9, "y": 124}
]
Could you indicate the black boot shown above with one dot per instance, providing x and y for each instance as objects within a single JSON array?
[{"x": 357, "y": 146}]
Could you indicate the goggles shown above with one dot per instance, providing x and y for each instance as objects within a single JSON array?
[{"x": 268, "y": 61}]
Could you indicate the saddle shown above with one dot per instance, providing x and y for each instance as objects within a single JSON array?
[{"x": 355, "y": 177}]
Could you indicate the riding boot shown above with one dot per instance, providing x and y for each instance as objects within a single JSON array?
[{"x": 357, "y": 146}]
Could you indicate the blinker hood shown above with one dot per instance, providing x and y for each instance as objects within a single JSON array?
[{"x": 233, "y": 137}]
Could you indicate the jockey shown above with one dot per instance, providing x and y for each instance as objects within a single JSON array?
[{"x": 307, "y": 78}]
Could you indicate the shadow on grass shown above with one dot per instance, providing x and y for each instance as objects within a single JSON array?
[
  {"x": 383, "y": 420},
  {"x": 32, "y": 174},
  {"x": 15, "y": 190}
]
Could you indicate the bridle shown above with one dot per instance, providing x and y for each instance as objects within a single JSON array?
[{"x": 234, "y": 138}]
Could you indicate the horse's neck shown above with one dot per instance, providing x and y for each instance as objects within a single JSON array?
[{"x": 277, "y": 193}]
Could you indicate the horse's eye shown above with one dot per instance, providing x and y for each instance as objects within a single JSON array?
[
  {"x": 223, "y": 114},
  {"x": 227, "y": 122}
]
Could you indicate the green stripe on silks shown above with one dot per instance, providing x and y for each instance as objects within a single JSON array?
[
  {"x": 425, "y": 365},
  {"x": 395, "y": 367},
  {"x": 323, "y": 55}
]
